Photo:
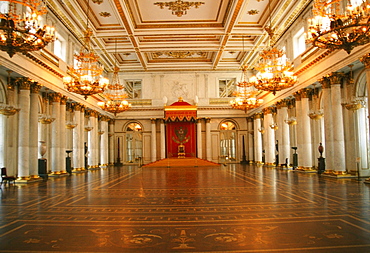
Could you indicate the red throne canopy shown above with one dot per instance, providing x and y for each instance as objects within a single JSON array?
[{"x": 180, "y": 118}]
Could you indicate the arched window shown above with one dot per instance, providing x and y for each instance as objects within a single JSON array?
[{"x": 227, "y": 141}]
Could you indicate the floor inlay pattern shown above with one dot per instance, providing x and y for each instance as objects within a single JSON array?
[{"x": 234, "y": 208}]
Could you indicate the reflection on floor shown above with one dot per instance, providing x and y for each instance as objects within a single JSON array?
[{"x": 233, "y": 208}]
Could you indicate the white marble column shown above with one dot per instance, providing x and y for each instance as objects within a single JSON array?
[
  {"x": 366, "y": 61},
  {"x": 111, "y": 141},
  {"x": 208, "y": 140},
  {"x": 24, "y": 133},
  {"x": 284, "y": 143},
  {"x": 279, "y": 133},
  {"x": 83, "y": 139},
  {"x": 163, "y": 139},
  {"x": 338, "y": 130},
  {"x": 63, "y": 135},
  {"x": 56, "y": 135},
  {"x": 76, "y": 143},
  {"x": 306, "y": 145},
  {"x": 328, "y": 125},
  {"x": 34, "y": 125},
  {"x": 3, "y": 140},
  {"x": 299, "y": 128},
  {"x": 96, "y": 136},
  {"x": 11, "y": 140},
  {"x": 360, "y": 114},
  {"x": 269, "y": 136},
  {"x": 199, "y": 139},
  {"x": 104, "y": 146},
  {"x": 250, "y": 140},
  {"x": 153, "y": 142},
  {"x": 257, "y": 139},
  {"x": 91, "y": 141}
]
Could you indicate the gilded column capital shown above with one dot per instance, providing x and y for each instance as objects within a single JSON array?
[
  {"x": 35, "y": 87},
  {"x": 69, "y": 107},
  {"x": 258, "y": 115},
  {"x": 208, "y": 120},
  {"x": 297, "y": 95},
  {"x": 199, "y": 120},
  {"x": 55, "y": 97},
  {"x": 250, "y": 119},
  {"x": 23, "y": 83},
  {"x": 325, "y": 82},
  {"x": 306, "y": 93},
  {"x": 336, "y": 78},
  {"x": 291, "y": 103},
  {"x": 111, "y": 121},
  {"x": 76, "y": 106},
  {"x": 104, "y": 118},
  {"x": 87, "y": 113},
  {"x": 366, "y": 60},
  {"x": 10, "y": 85},
  {"x": 153, "y": 120},
  {"x": 282, "y": 103},
  {"x": 63, "y": 100}
]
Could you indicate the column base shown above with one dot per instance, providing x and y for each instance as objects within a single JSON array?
[
  {"x": 338, "y": 174},
  {"x": 270, "y": 164},
  {"x": 306, "y": 169},
  {"x": 79, "y": 170},
  {"x": 58, "y": 174},
  {"x": 27, "y": 180}
]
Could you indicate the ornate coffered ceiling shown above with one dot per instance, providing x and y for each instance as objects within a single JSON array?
[{"x": 152, "y": 35}]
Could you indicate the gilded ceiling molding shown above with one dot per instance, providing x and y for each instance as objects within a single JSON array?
[
  {"x": 105, "y": 14},
  {"x": 97, "y": 1},
  {"x": 228, "y": 30},
  {"x": 178, "y": 7},
  {"x": 314, "y": 61},
  {"x": 130, "y": 33},
  {"x": 291, "y": 18},
  {"x": 180, "y": 54},
  {"x": 253, "y": 12}
]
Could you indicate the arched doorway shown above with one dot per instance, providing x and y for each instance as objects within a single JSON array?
[
  {"x": 227, "y": 141},
  {"x": 133, "y": 142}
]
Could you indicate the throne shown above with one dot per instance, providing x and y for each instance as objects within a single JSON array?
[{"x": 181, "y": 151}]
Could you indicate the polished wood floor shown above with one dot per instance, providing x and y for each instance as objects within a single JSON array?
[{"x": 233, "y": 208}]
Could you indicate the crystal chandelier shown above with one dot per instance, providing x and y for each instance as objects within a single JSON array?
[
  {"x": 274, "y": 72},
  {"x": 274, "y": 69},
  {"x": 20, "y": 30},
  {"x": 339, "y": 24},
  {"x": 246, "y": 95},
  {"x": 86, "y": 79},
  {"x": 115, "y": 95}
]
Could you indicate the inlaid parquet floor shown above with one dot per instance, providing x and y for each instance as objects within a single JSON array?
[{"x": 233, "y": 208}]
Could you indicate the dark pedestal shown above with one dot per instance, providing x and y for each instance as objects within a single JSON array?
[
  {"x": 43, "y": 169},
  {"x": 69, "y": 165},
  {"x": 321, "y": 167}
]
